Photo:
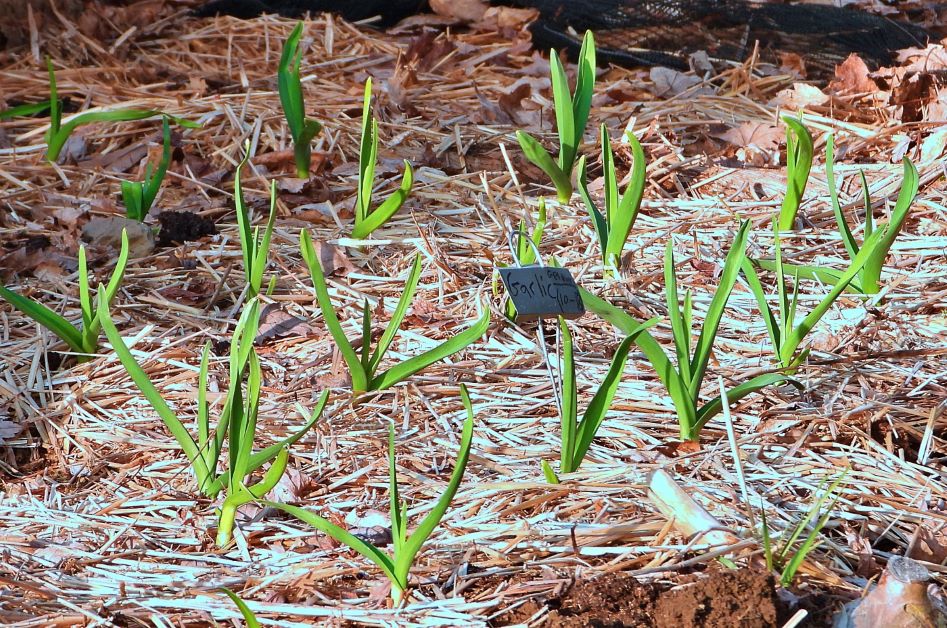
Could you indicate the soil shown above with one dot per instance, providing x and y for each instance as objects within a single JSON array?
[
  {"x": 722, "y": 599},
  {"x": 178, "y": 227}
]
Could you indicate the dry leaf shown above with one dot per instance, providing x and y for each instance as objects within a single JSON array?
[
  {"x": 792, "y": 63},
  {"x": 292, "y": 487},
  {"x": 668, "y": 82},
  {"x": 933, "y": 145},
  {"x": 464, "y": 10},
  {"x": 333, "y": 259},
  {"x": 275, "y": 322},
  {"x": 799, "y": 96},
  {"x": 757, "y": 142},
  {"x": 504, "y": 19},
  {"x": 852, "y": 77},
  {"x": 933, "y": 58}
]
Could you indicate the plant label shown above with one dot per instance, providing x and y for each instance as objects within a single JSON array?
[{"x": 542, "y": 292}]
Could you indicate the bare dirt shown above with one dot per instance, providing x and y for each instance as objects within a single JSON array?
[{"x": 721, "y": 599}]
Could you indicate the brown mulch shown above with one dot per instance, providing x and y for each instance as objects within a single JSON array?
[{"x": 98, "y": 517}]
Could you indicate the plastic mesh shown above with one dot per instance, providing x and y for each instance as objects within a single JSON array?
[
  {"x": 661, "y": 32},
  {"x": 666, "y": 32}
]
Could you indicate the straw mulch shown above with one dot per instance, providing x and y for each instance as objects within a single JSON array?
[{"x": 98, "y": 519}]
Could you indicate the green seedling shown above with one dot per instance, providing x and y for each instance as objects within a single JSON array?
[
  {"x": 615, "y": 225},
  {"x": 526, "y": 246},
  {"x": 302, "y": 129},
  {"x": 785, "y": 335},
  {"x": 237, "y": 421},
  {"x": 787, "y": 559},
  {"x": 363, "y": 368},
  {"x": 140, "y": 196},
  {"x": 248, "y": 616},
  {"x": 59, "y": 132},
  {"x": 577, "y": 435},
  {"x": 367, "y": 219},
  {"x": 397, "y": 566},
  {"x": 868, "y": 279},
  {"x": 28, "y": 109},
  {"x": 683, "y": 382},
  {"x": 572, "y": 114},
  {"x": 799, "y": 151},
  {"x": 85, "y": 340},
  {"x": 254, "y": 246}
]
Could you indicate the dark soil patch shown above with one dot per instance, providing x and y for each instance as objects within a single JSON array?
[
  {"x": 721, "y": 599},
  {"x": 178, "y": 227}
]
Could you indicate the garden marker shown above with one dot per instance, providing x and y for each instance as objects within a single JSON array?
[{"x": 539, "y": 291}]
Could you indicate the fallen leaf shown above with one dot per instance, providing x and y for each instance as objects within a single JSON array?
[
  {"x": 333, "y": 259},
  {"x": 464, "y": 10},
  {"x": 511, "y": 101},
  {"x": 792, "y": 63},
  {"x": 668, "y": 82},
  {"x": 292, "y": 185},
  {"x": 315, "y": 212},
  {"x": 852, "y": 77},
  {"x": 504, "y": 19},
  {"x": 912, "y": 94},
  {"x": 275, "y": 322},
  {"x": 292, "y": 487},
  {"x": 933, "y": 145},
  {"x": 191, "y": 294},
  {"x": 927, "y": 60},
  {"x": 757, "y": 142},
  {"x": 799, "y": 96},
  {"x": 68, "y": 216}
]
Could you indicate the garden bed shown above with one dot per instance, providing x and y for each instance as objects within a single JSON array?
[{"x": 99, "y": 519}]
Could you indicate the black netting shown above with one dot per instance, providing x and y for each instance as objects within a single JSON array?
[
  {"x": 666, "y": 32},
  {"x": 661, "y": 32}
]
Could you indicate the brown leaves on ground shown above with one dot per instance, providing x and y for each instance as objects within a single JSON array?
[
  {"x": 851, "y": 77},
  {"x": 276, "y": 322},
  {"x": 756, "y": 142},
  {"x": 464, "y": 10},
  {"x": 333, "y": 259}
]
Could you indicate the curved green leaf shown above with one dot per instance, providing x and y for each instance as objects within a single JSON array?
[
  {"x": 405, "y": 558},
  {"x": 799, "y": 151},
  {"x": 369, "y": 551},
  {"x": 602, "y": 400},
  {"x": 848, "y": 239},
  {"x": 676, "y": 387},
  {"x": 708, "y": 331},
  {"x": 57, "y": 139},
  {"x": 622, "y": 218},
  {"x": 406, "y": 369},
  {"x": 45, "y": 317},
  {"x": 871, "y": 276},
  {"x": 584, "y": 88},
  {"x": 388, "y": 208},
  {"x": 359, "y": 376},
  {"x": 167, "y": 415},
  {"x": 538, "y": 155},
  {"x": 715, "y": 405},
  {"x": 569, "y": 412},
  {"x": 248, "y": 615},
  {"x": 599, "y": 222},
  {"x": 565, "y": 115},
  {"x": 401, "y": 310}
]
